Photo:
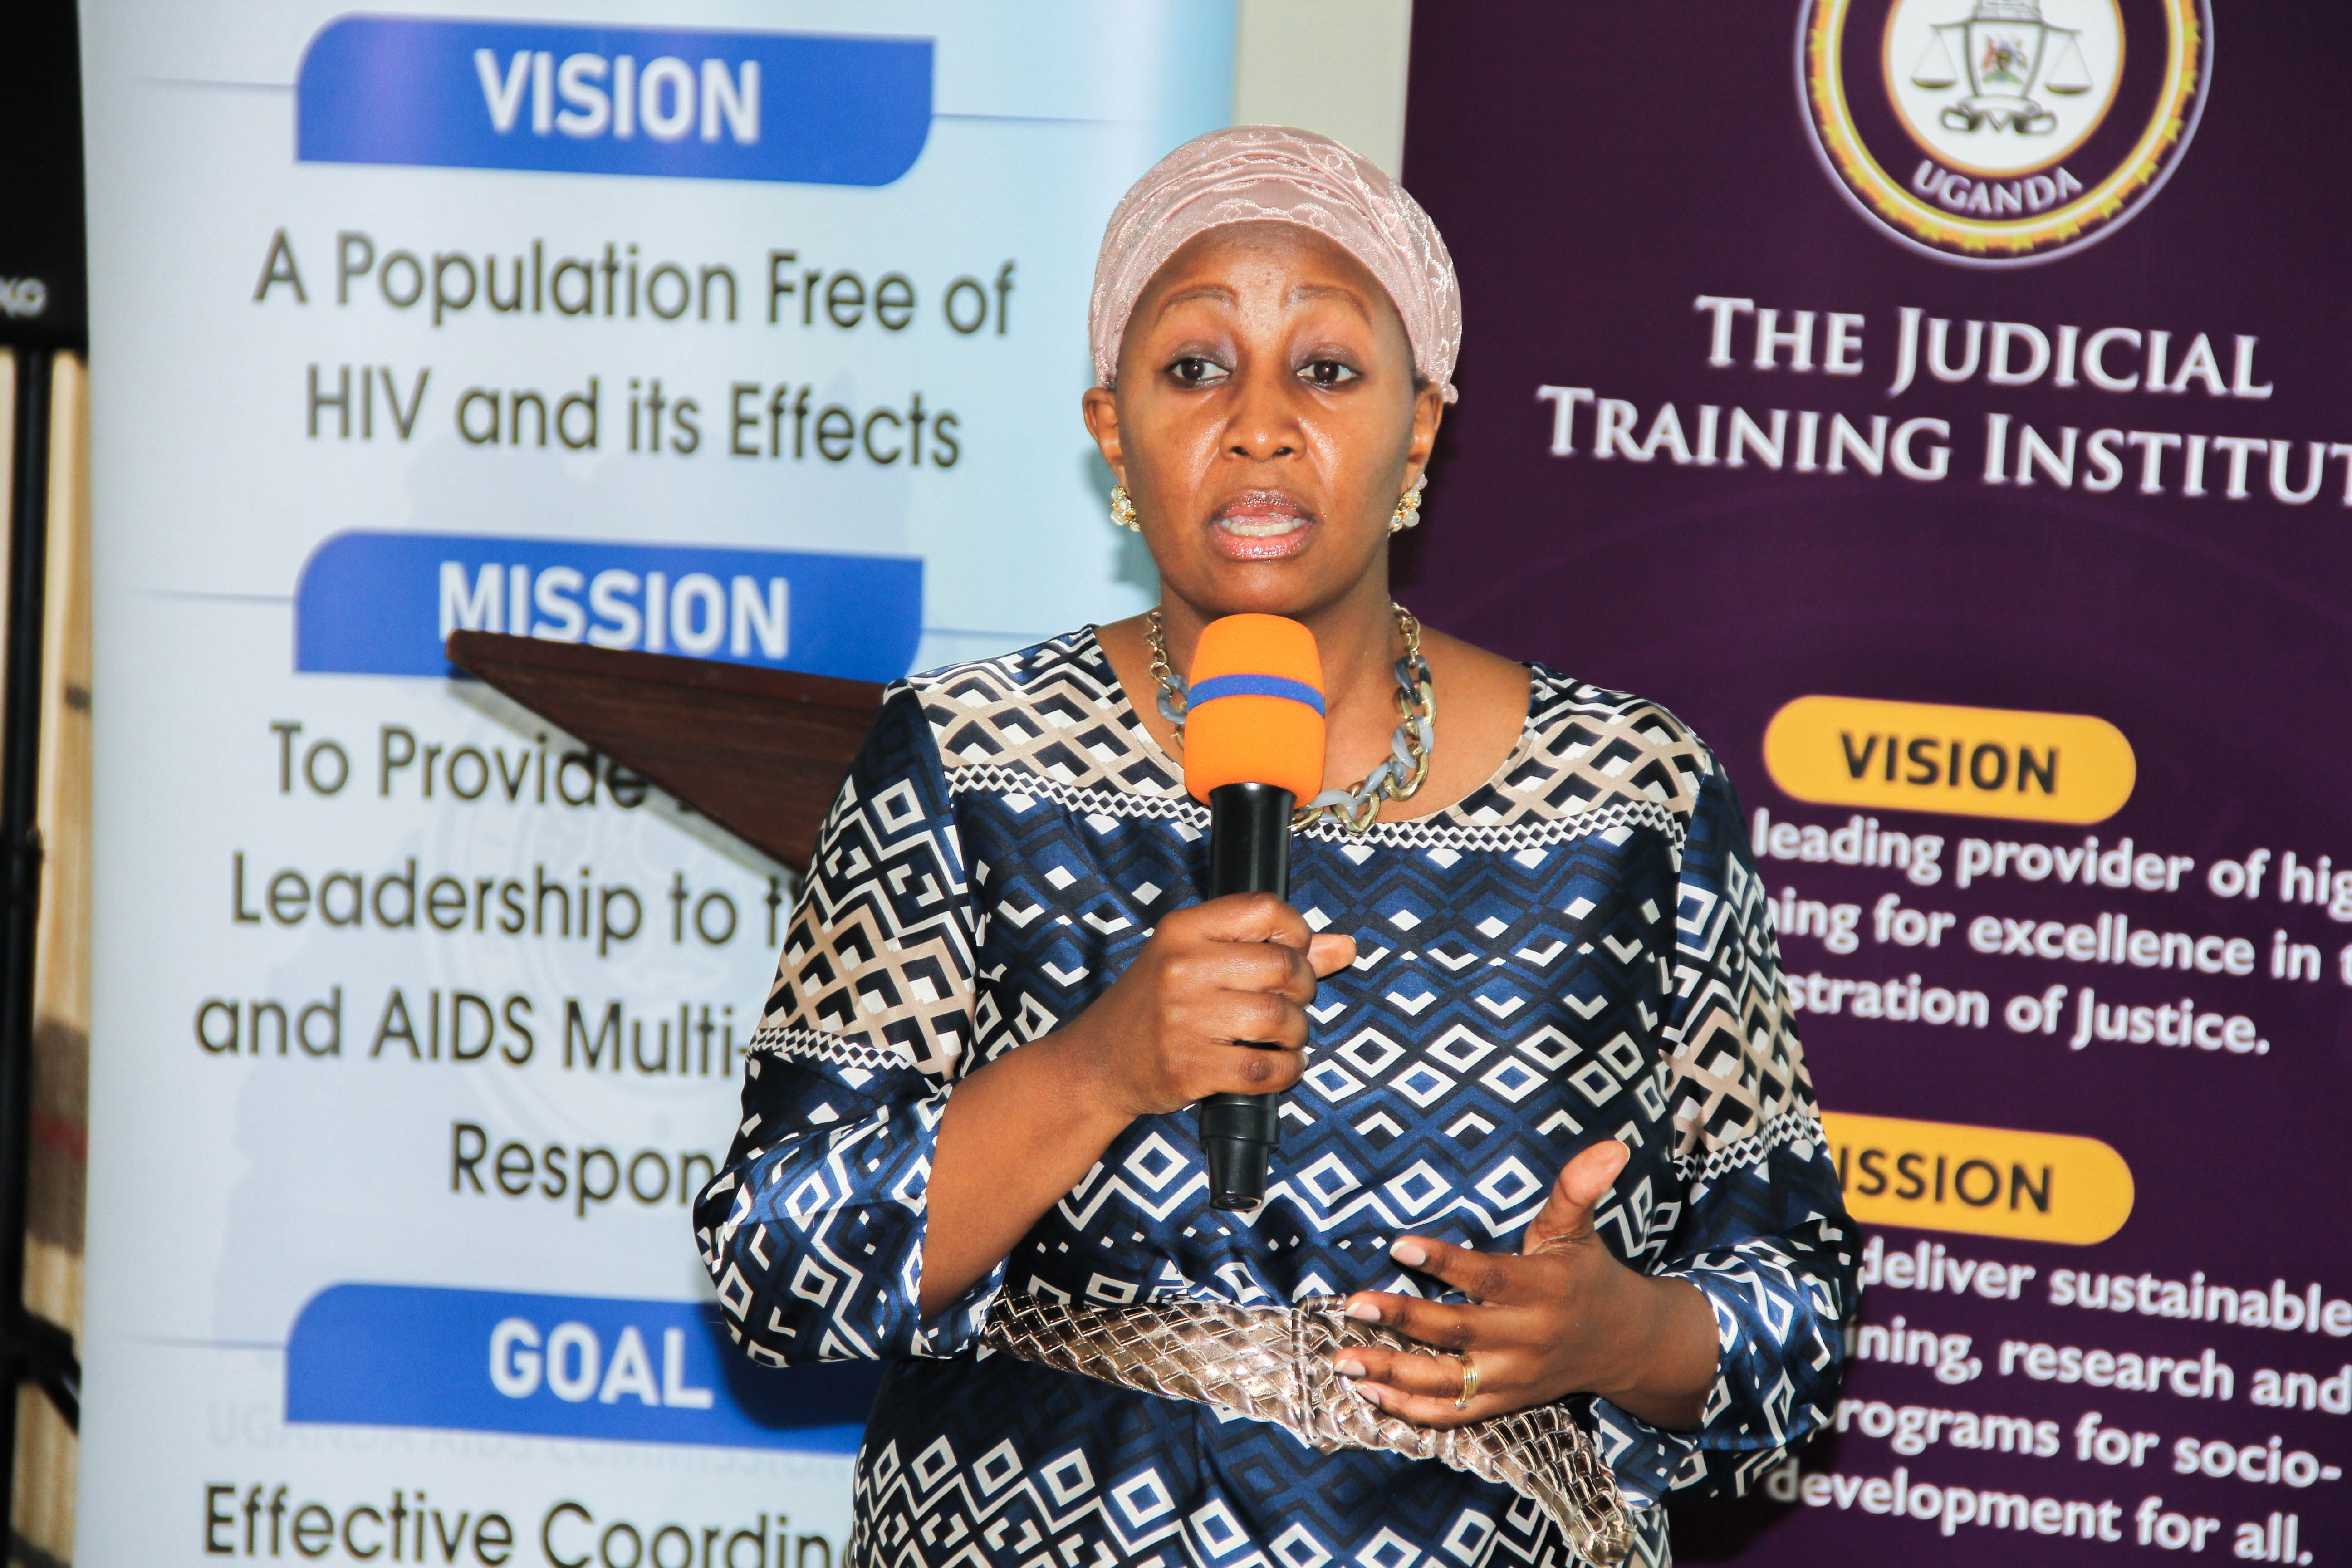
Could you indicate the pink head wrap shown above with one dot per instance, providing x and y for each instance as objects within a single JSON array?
[{"x": 1256, "y": 173}]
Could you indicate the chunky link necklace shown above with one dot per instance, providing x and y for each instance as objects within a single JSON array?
[{"x": 1400, "y": 774}]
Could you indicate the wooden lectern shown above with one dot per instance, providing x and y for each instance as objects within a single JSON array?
[{"x": 761, "y": 753}]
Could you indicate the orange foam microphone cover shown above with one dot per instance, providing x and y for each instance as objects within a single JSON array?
[{"x": 1254, "y": 713}]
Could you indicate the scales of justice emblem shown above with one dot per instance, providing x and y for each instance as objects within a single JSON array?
[
  {"x": 2005, "y": 53},
  {"x": 1994, "y": 133}
]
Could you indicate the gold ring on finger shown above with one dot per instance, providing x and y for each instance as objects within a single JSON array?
[{"x": 1469, "y": 1382}]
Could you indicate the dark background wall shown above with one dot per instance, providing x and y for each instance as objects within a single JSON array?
[{"x": 1595, "y": 169}]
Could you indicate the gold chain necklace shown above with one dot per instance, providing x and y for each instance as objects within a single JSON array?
[{"x": 1401, "y": 774}]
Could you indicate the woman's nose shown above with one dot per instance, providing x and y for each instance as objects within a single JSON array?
[{"x": 1263, "y": 425}]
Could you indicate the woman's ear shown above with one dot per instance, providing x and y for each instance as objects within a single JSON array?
[
  {"x": 1428, "y": 413},
  {"x": 1100, "y": 410}
]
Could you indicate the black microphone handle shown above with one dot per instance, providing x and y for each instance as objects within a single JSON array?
[{"x": 1249, "y": 852}]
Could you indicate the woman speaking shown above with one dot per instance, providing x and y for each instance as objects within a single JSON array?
[{"x": 1552, "y": 1229}]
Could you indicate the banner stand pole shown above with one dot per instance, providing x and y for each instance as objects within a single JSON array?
[{"x": 34, "y": 1348}]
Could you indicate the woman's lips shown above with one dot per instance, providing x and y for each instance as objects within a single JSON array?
[{"x": 1261, "y": 528}]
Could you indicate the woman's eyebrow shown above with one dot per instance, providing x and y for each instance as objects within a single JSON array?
[
  {"x": 1302, "y": 293},
  {"x": 1216, "y": 291}
]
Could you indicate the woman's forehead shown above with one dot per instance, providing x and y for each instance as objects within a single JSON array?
[{"x": 1298, "y": 267}]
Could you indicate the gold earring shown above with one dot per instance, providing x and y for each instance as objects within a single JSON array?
[
  {"x": 1122, "y": 508},
  {"x": 1407, "y": 514}
]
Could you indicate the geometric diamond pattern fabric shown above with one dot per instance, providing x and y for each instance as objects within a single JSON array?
[{"x": 1577, "y": 950}]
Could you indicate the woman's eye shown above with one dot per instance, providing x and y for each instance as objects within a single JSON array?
[
  {"x": 1327, "y": 373},
  {"x": 1192, "y": 370}
]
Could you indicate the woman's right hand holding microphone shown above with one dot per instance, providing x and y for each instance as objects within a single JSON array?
[{"x": 1215, "y": 1003}]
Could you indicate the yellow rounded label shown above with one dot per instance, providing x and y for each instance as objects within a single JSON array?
[
  {"x": 1965, "y": 761},
  {"x": 1981, "y": 1181}
]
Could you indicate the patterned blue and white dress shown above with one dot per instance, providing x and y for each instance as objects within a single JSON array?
[{"x": 1577, "y": 950}]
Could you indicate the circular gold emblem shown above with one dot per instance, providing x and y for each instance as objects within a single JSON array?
[{"x": 2003, "y": 131}]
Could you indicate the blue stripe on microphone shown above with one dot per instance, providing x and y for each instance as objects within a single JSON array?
[{"x": 1218, "y": 686}]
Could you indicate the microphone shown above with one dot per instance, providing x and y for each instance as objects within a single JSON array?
[{"x": 1253, "y": 748}]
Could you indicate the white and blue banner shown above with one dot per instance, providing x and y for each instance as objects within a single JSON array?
[{"x": 751, "y": 333}]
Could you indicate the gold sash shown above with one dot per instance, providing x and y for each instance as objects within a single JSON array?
[{"x": 1273, "y": 1364}]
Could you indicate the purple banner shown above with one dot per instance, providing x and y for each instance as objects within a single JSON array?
[{"x": 1945, "y": 406}]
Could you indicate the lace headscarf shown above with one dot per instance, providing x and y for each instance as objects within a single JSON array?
[{"x": 1257, "y": 173}]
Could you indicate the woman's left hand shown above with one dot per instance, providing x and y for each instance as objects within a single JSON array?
[{"x": 1563, "y": 1317}]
